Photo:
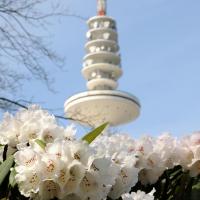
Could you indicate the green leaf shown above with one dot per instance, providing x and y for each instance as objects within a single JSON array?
[
  {"x": 5, "y": 168},
  {"x": 93, "y": 134},
  {"x": 1, "y": 156},
  {"x": 196, "y": 186},
  {"x": 41, "y": 143},
  {"x": 12, "y": 180},
  {"x": 195, "y": 194}
]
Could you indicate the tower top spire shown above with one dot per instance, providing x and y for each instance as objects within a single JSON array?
[{"x": 101, "y": 7}]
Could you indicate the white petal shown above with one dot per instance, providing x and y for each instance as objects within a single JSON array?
[{"x": 49, "y": 190}]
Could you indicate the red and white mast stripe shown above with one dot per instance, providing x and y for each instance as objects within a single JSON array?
[{"x": 101, "y": 7}]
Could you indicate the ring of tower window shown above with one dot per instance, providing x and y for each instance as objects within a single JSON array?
[
  {"x": 89, "y": 62},
  {"x": 102, "y": 48},
  {"x": 100, "y": 23},
  {"x": 104, "y": 34},
  {"x": 98, "y": 74}
]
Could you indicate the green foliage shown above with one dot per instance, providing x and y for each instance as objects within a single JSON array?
[
  {"x": 174, "y": 184},
  {"x": 11, "y": 194},
  {"x": 12, "y": 181},
  {"x": 5, "y": 168},
  {"x": 41, "y": 143},
  {"x": 95, "y": 133},
  {"x": 195, "y": 195}
]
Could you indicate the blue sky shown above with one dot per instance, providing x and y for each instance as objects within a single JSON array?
[{"x": 160, "y": 48}]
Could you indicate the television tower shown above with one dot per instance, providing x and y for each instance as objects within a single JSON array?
[{"x": 102, "y": 68}]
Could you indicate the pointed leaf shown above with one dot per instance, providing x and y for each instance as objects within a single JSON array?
[
  {"x": 41, "y": 143},
  {"x": 195, "y": 194},
  {"x": 5, "y": 168},
  {"x": 12, "y": 180},
  {"x": 196, "y": 186},
  {"x": 93, "y": 134}
]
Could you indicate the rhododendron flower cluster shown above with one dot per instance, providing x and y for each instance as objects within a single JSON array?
[
  {"x": 189, "y": 151},
  {"x": 115, "y": 148},
  {"x": 51, "y": 163},
  {"x": 152, "y": 156},
  {"x": 62, "y": 169},
  {"x": 139, "y": 195},
  {"x": 31, "y": 124}
]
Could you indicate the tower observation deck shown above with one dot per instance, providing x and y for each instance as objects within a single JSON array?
[{"x": 102, "y": 68}]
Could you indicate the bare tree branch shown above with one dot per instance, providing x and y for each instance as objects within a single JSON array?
[
  {"x": 22, "y": 51},
  {"x": 18, "y": 43},
  {"x": 16, "y": 103},
  {"x": 8, "y": 103}
]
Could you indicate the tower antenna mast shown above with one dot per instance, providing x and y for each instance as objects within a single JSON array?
[{"x": 101, "y": 7}]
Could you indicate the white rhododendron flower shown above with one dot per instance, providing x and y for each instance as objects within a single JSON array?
[
  {"x": 30, "y": 124},
  {"x": 139, "y": 195},
  {"x": 49, "y": 189},
  {"x": 149, "y": 160},
  {"x": 126, "y": 179},
  {"x": 70, "y": 132},
  {"x": 101, "y": 167},
  {"x": 167, "y": 146},
  {"x": 28, "y": 171},
  {"x": 190, "y": 160},
  {"x": 119, "y": 149},
  {"x": 64, "y": 168},
  {"x": 109, "y": 145},
  {"x": 9, "y": 130},
  {"x": 27, "y": 158}
]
